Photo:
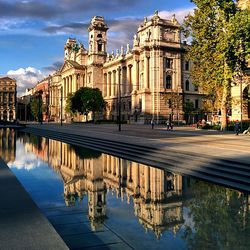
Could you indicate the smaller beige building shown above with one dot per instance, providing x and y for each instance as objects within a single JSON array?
[{"x": 7, "y": 99}]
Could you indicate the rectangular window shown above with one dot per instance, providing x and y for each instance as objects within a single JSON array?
[
  {"x": 129, "y": 105},
  {"x": 169, "y": 63},
  {"x": 187, "y": 65},
  {"x": 196, "y": 103}
]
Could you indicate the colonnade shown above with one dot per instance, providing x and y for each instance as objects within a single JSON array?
[{"x": 129, "y": 78}]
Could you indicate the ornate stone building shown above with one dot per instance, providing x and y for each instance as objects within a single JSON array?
[
  {"x": 149, "y": 80},
  {"x": 240, "y": 92},
  {"x": 7, "y": 99}
]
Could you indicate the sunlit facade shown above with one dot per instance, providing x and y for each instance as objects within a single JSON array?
[
  {"x": 149, "y": 80},
  {"x": 240, "y": 92},
  {"x": 7, "y": 99}
]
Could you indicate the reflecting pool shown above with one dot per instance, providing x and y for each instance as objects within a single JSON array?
[{"x": 99, "y": 201}]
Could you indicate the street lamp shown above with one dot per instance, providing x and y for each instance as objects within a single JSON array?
[
  {"x": 239, "y": 75},
  {"x": 241, "y": 103}
]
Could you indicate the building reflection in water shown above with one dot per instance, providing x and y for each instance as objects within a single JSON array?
[
  {"x": 158, "y": 197},
  {"x": 7, "y": 144},
  {"x": 156, "y": 194}
]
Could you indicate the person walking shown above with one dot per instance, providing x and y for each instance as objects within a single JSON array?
[
  {"x": 171, "y": 126},
  {"x": 168, "y": 124},
  {"x": 152, "y": 123},
  {"x": 237, "y": 127}
]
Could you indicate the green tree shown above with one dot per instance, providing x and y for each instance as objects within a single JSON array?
[
  {"x": 219, "y": 48},
  {"x": 68, "y": 107},
  {"x": 220, "y": 218},
  {"x": 87, "y": 100},
  {"x": 36, "y": 108},
  {"x": 189, "y": 110}
]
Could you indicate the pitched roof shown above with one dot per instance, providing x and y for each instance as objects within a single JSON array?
[
  {"x": 75, "y": 64},
  {"x": 6, "y": 78}
]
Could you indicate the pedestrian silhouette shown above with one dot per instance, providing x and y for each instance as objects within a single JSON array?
[
  {"x": 237, "y": 127},
  {"x": 168, "y": 124},
  {"x": 152, "y": 123}
]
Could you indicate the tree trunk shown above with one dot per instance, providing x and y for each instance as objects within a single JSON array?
[{"x": 224, "y": 105}]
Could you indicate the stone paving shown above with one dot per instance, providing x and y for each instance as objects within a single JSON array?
[
  {"x": 22, "y": 225},
  {"x": 189, "y": 139}
]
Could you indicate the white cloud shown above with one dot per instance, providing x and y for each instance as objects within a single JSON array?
[
  {"x": 26, "y": 77},
  {"x": 180, "y": 14},
  {"x": 24, "y": 159}
]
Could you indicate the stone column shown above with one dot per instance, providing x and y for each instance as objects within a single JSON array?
[
  {"x": 109, "y": 83},
  {"x": 67, "y": 90},
  {"x": 75, "y": 83},
  {"x": 64, "y": 87},
  {"x": 137, "y": 74},
  {"x": 70, "y": 84},
  {"x": 129, "y": 83},
  {"x": 113, "y": 84},
  {"x": 146, "y": 72},
  {"x": 125, "y": 80},
  {"x": 147, "y": 178},
  {"x": 105, "y": 85},
  {"x": 136, "y": 177},
  {"x": 122, "y": 80}
]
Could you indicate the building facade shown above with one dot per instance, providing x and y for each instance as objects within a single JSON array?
[
  {"x": 7, "y": 99},
  {"x": 149, "y": 80},
  {"x": 240, "y": 91}
]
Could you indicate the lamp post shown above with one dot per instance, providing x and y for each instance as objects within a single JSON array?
[
  {"x": 177, "y": 105},
  {"x": 239, "y": 76},
  {"x": 241, "y": 104}
]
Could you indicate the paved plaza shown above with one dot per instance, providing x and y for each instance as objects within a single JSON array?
[{"x": 189, "y": 139}]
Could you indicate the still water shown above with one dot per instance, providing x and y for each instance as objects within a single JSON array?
[{"x": 99, "y": 201}]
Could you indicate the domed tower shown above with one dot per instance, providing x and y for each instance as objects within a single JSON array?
[
  {"x": 97, "y": 52},
  {"x": 97, "y": 39}
]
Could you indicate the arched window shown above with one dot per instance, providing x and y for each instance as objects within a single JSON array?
[
  {"x": 169, "y": 63},
  {"x": 168, "y": 82},
  {"x": 246, "y": 102},
  {"x": 99, "y": 45},
  {"x": 187, "y": 85}
]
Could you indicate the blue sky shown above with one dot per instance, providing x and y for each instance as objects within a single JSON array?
[{"x": 33, "y": 32}]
